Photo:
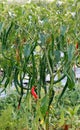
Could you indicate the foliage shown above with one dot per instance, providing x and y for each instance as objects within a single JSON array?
[
  {"x": 67, "y": 111},
  {"x": 29, "y": 115}
]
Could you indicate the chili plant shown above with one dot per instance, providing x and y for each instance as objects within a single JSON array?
[{"x": 37, "y": 40}]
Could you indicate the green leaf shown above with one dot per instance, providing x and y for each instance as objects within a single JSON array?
[
  {"x": 57, "y": 55},
  {"x": 70, "y": 52},
  {"x": 71, "y": 79},
  {"x": 42, "y": 38},
  {"x": 63, "y": 30},
  {"x": 70, "y": 111},
  {"x": 62, "y": 119},
  {"x": 27, "y": 50},
  {"x": 1, "y": 26},
  {"x": 44, "y": 104},
  {"x": 76, "y": 109},
  {"x": 63, "y": 91}
]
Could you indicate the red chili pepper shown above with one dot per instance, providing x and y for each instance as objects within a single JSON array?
[
  {"x": 47, "y": 113},
  {"x": 19, "y": 102},
  {"x": 18, "y": 106},
  {"x": 34, "y": 94},
  {"x": 66, "y": 127},
  {"x": 77, "y": 45}
]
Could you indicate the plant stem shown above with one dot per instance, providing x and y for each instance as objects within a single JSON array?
[
  {"x": 50, "y": 89},
  {"x": 46, "y": 54}
]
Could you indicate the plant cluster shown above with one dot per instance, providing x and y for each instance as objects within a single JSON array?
[
  {"x": 29, "y": 116},
  {"x": 37, "y": 40}
]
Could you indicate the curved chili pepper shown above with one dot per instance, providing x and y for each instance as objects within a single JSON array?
[{"x": 34, "y": 94}]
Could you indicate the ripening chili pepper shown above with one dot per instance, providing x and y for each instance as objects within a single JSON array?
[
  {"x": 19, "y": 102},
  {"x": 17, "y": 55},
  {"x": 77, "y": 45},
  {"x": 68, "y": 40},
  {"x": 34, "y": 94},
  {"x": 18, "y": 106},
  {"x": 66, "y": 127},
  {"x": 24, "y": 39},
  {"x": 47, "y": 113}
]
